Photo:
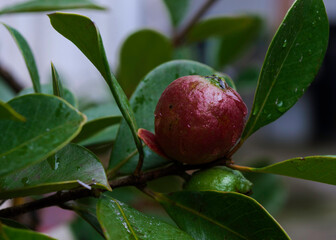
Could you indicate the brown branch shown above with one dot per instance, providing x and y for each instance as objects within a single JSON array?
[
  {"x": 59, "y": 198},
  {"x": 62, "y": 197},
  {"x": 10, "y": 80},
  {"x": 179, "y": 37}
]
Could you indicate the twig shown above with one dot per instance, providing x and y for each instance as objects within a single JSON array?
[
  {"x": 60, "y": 198},
  {"x": 179, "y": 37},
  {"x": 10, "y": 80}
]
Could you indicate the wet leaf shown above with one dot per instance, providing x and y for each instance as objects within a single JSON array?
[
  {"x": 314, "y": 168},
  {"x": 67, "y": 169},
  {"x": 50, "y": 124},
  {"x": 291, "y": 63},
  {"x": 85, "y": 35},
  {"x": 220, "y": 215},
  {"x": 120, "y": 221}
]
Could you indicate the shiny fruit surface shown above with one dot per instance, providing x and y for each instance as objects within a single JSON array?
[{"x": 199, "y": 119}]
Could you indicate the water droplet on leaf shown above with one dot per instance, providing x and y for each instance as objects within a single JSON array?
[{"x": 284, "y": 44}]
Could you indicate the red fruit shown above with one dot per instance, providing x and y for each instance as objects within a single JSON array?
[{"x": 199, "y": 119}]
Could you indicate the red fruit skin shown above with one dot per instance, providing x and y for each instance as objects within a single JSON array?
[{"x": 198, "y": 122}]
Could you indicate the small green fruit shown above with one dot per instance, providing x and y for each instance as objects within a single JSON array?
[{"x": 219, "y": 178}]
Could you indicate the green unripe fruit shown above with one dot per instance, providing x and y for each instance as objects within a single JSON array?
[{"x": 219, "y": 179}]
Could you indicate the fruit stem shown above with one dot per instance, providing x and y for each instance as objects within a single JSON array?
[{"x": 239, "y": 168}]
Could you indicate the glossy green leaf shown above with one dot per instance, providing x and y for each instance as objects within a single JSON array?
[
  {"x": 143, "y": 102},
  {"x": 69, "y": 168},
  {"x": 48, "y": 89},
  {"x": 49, "y": 5},
  {"x": 314, "y": 168},
  {"x": 291, "y": 63},
  {"x": 268, "y": 189},
  {"x": 6, "y": 112},
  {"x": 120, "y": 221},
  {"x": 7, "y": 233},
  {"x": 141, "y": 52},
  {"x": 28, "y": 57},
  {"x": 106, "y": 136},
  {"x": 85, "y": 35},
  {"x": 56, "y": 82},
  {"x": 50, "y": 124},
  {"x": 87, "y": 210},
  {"x": 6, "y": 93},
  {"x": 99, "y": 118},
  {"x": 220, "y": 215},
  {"x": 177, "y": 10}
]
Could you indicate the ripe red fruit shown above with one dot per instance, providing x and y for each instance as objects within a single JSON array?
[{"x": 198, "y": 119}]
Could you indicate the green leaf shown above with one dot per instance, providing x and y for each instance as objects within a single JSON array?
[
  {"x": 6, "y": 112},
  {"x": 220, "y": 215},
  {"x": 7, "y": 233},
  {"x": 268, "y": 189},
  {"x": 141, "y": 52},
  {"x": 57, "y": 85},
  {"x": 224, "y": 27},
  {"x": 51, "y": 124},
  {"x": 85, "y": 35},
  {"x": 144, "y": 101},
  {"x": 49, "y": 5},
  {"x": 6, "y": 93},
  {"x": 99, "y": 118},
  {"x": 314, "y": 168},
  {"x": 106, "y": 136},
  {"x": 120, "y": 221},
  {"x": 28, "y": 57},
  {"x": 291, "y": 63},
  {"x": 67, "y": 169},
  {"x": 177, "y": 10},
  {"x": 87, "y": 210},
  {"x": 48, "y": 89}
]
